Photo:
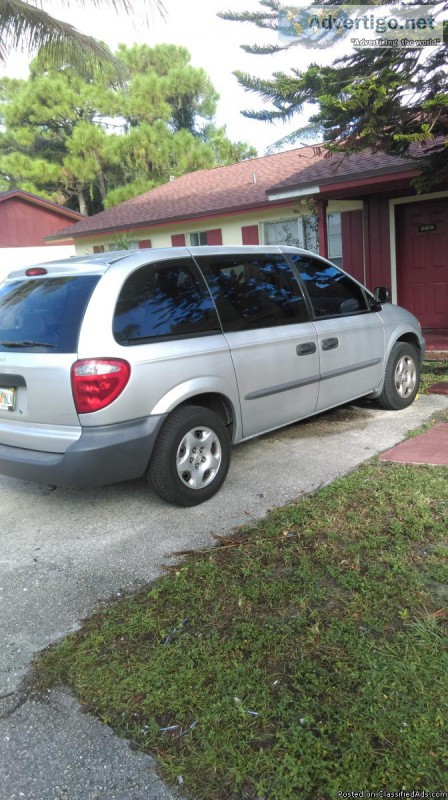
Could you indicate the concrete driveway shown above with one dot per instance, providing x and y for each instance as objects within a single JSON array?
[{"x": 64, "y": 552}]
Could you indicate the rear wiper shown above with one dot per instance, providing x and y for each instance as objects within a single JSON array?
[{"x": 27, "y": 344}]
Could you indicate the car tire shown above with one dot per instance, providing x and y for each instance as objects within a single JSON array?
[
  {"x": 402, "y": 377},
  {"x": 191, "y": 456}
]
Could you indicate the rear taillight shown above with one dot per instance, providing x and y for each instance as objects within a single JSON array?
[{"x": 97, "y": 382}]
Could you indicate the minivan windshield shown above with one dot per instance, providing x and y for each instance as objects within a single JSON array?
[{"x": 44, "y": 313}]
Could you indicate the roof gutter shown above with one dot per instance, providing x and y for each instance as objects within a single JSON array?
[
  {"x": 164, "y": 222},
  {"x": 308, "y": 190}
]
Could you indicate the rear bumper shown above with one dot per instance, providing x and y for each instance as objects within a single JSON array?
[{"x": 106, "y": 454}]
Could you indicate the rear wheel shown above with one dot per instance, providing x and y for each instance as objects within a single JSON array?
[
  {"x": 191, "y": 456},
  {"x": 402, "y": 377}
]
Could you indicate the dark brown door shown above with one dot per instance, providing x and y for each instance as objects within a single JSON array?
[{"x": 422, "y": 261}]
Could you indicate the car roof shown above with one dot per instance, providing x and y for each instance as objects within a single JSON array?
[
  {"x": 91, "y": 263},
  {"x": 98, "y": 263}
]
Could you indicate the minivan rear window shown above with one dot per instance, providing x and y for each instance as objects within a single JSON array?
[{"x": 44, "y": 314}]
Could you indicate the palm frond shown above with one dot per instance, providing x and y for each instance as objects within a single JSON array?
[{"x": 28, "y": 28}]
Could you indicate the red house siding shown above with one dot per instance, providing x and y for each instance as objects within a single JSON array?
[
  {"x": 322, "y": 227},
  {"x": 377, "y": 238},
  {"x": 352, "y": 244},
  {"x": 24, "y": 224}
]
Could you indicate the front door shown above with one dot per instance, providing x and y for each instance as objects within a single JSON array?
[{"x": 422, "y": 261}]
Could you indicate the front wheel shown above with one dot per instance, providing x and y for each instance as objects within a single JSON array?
[
  {"x": 402, "y": 377},
  {"x": 191, "y": 457}
]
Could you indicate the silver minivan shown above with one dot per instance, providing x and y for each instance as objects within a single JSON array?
[{"x": 119, "y": 365}]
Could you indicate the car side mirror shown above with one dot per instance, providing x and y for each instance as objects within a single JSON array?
[{"x": 382, "y": 295}]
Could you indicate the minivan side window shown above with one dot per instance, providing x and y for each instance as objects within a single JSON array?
[
  {"x": 253, "y": 291},
  {"x": 332, "y": 293},
  {"x": 164, "y": 299}
]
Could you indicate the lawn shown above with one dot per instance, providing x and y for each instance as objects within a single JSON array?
[
  {"x": 303, "y": 657},
  {"x": 434, "y": 371}
]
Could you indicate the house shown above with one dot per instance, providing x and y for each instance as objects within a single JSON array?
[
  {"x": 25, "y": 222},
  {"x": 361, "y": 211}
]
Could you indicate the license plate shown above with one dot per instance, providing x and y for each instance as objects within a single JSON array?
[{"x": 7, "y": 399}]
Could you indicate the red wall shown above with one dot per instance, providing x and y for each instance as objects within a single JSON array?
[
  {"x": 352, "y": 244},
  {"x": 377, "y": 238},
  {"x": 24, "y": 224}
]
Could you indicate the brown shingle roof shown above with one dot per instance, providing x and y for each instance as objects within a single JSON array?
[
  {"x": 340, "y": 167},
  {"x": 231, "y": 188}
]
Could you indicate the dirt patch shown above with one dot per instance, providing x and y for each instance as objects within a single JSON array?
[
  {"x": 339, "y": 420},
  {"x": 436, "y": 355},
  {"x": 439, "y": 591}
]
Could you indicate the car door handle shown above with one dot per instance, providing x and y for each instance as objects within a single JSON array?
[
  {"x": 306, "y": 349},
  {"x": 330, "y": 344}
]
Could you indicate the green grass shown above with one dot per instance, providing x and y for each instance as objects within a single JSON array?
[
  {"x": 303, "y": 657},
  {"x": 433, "y": 372}
]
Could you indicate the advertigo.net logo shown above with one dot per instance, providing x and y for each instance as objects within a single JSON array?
[{"x": 365, "y": 25}]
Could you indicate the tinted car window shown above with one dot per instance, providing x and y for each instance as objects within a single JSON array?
[
  {"x": 163, "y": 300},
  {"x": 45, "y": 312},
  {"x": 332, "y": 293},
  {"x": 253, "y": 291}
]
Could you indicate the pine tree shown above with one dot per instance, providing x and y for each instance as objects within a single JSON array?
[
  {"x": 384, "y": 99},
  {"x": 91, "y": 144}
]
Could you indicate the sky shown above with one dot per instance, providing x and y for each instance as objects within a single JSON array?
[{"x": 214, "y": 44}]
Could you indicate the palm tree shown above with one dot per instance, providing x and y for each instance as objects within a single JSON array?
[{"x": 28, "y": 27}]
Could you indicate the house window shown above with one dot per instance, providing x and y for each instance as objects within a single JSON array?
[
  {"x": 98, "y": 248},
  {"x": 199, "y": 238},
  {"x": 310, "y": 234},
  {"x": 285, "y": 231},
  {"x": 295, "y": 232},
  {"x": 212, "y": 237},
  {"x": 334, "y": 230}
]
